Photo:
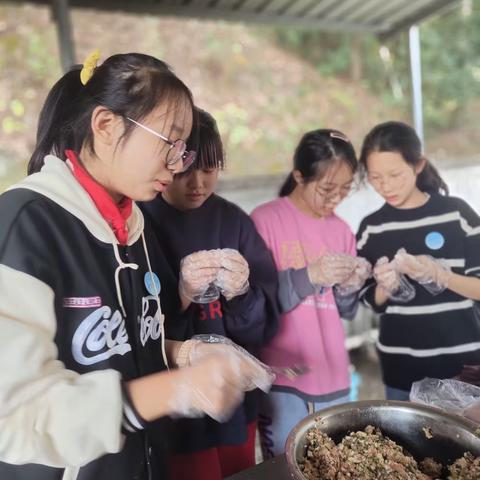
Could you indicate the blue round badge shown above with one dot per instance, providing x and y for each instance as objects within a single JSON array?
[
  {"x": 434, "y": 240},
  {"x": 152, "y": 283}
]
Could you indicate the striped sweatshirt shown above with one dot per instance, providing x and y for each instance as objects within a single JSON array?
[{"x": 430, "y": 336}]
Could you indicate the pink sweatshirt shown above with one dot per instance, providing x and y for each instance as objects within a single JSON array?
[{"x": 312, "y": 333}]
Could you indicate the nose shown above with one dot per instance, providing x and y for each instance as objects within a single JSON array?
[
  {"x": 385, "y": 185},
  {"x": 195, "y": 180}
]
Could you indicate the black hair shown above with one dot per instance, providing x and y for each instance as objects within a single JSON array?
[
  {"x": 401, "y": 138},
  {"x": 130, "y": 85},
  {"x": 206, "y": 141},
  {"x": 316, "y": 152}
]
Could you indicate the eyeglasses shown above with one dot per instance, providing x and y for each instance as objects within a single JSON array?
[
  {"x": 177, "y": 150},
  {"x": 329, "y": 194}
]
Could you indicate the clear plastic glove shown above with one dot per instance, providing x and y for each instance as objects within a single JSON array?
[
  {"x": 331, "y": 269},
  {"x": 209, "y": 387},
  {"x": 198, "y": 272},
  {"x": 392, "y": 281},
  {"x": 248, "y": 372},
  {"x": 362, "y": 271},
  {"x": 232, "y": 279},
  {"x": 432, "y": 274}
]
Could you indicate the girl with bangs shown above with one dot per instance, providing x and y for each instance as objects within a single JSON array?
[
  {"x": 190, "y": 220},
  {"x": 425, "y": 248},
  {"x": 319, "y": 277}
]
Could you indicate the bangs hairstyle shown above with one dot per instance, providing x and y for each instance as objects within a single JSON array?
[
  {"x": 317, "y": 151},
  {"x": 401, "y": 138},
  {"x": 206, "y": 141},
  {"x": 129, "y": 85}
]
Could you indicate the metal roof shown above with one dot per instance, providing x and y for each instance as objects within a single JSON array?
[{"x": 383, "y": 17}]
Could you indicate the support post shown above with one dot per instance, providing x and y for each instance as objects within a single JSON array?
[
  {"x": 416, "y": 76},
  {"x": 61, "y": 16}
]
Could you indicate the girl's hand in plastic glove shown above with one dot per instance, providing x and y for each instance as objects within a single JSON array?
[
  {"x": 427, "y": 271},
  {"x": 386, "y": 275},
  {"x": 247, "y": 372},
  {"x": 356, "y": 280},
  {"x": 392, "y": 282},
  {"x": 331, "y": 269},
  {"x": 197, "y": 271},
  {"x": 232, "y": 278},
  {"x": 209, "y": 387}
]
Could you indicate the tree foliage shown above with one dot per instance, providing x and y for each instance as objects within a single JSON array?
[{"x": 450, "y": 51}]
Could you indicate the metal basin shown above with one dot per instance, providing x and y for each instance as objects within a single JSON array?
[{"x": 403, "y": 422}]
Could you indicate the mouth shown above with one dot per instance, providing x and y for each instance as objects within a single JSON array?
[
  {"x": 195, "y": 196},
  {"x": 391, "y": 198}
]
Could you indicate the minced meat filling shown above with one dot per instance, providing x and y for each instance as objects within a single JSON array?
[
  {"x": 465, "y": 468},
  {"x": 368, "y": 454}
]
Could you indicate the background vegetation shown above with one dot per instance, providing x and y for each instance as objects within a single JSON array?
[{"x": 266, "y": 86}]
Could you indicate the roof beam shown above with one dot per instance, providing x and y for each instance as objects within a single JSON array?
[
  {"x": 440, "y": 7},
  {"x": 340, "y": 9},
  {"x": 373, "y": 16},
  {"x": 222, "y": 13}
]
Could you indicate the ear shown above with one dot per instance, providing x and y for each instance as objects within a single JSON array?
[
  {"x": 105, "y": 125},
  {"x": 298, "y": 177},
  {"x": 419, "y": 168}
]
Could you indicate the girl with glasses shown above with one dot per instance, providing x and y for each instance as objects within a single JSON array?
[
  {"x": 84, "y": 288},
  {"x": 425, "y": 246},
  {"x": 191, "y": 220},
  {"x": 319, "y": 275}
]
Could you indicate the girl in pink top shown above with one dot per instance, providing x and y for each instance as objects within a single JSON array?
[{"x": 314, "y": 251}]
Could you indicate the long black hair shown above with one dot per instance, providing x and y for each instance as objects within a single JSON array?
[
  {"x": 401, "y": 138},
  {"x": 130, "y": 85},
  {"x": 315, "y": 153},
  {"x": 206, "y": 141}
]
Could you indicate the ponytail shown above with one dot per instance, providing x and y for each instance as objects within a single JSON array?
[
  {"x": 288, "y": 186},
  {"x": 315, "y": 153},
  {"x": 401, "y": 138},
  {"x": 130, "y": 85},
  {"x": 430, "y": 181},
  {"x": 54, "y": 133}
]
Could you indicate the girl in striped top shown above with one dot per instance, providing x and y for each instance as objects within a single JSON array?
[{"x": 433, "y": 329}]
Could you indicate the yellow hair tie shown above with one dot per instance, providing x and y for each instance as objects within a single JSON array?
[{"x": 89, "y": 66}]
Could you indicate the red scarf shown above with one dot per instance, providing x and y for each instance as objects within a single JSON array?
[{"x": 116, "y": 214}]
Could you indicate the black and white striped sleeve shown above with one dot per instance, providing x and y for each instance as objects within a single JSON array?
[{"x": 131, "y": 421}]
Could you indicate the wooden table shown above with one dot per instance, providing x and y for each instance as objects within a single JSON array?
[{"x": 274, "y": 469}]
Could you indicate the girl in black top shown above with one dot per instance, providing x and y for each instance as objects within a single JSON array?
[
  {"x": 189, "y": 217},
  {"x": 428, "y": 319}
]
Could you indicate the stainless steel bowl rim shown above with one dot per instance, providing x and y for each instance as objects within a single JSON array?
[{"x": 367, "y": 406}]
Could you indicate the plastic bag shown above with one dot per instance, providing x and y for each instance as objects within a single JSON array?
[{"x": 450, "y": 395}]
